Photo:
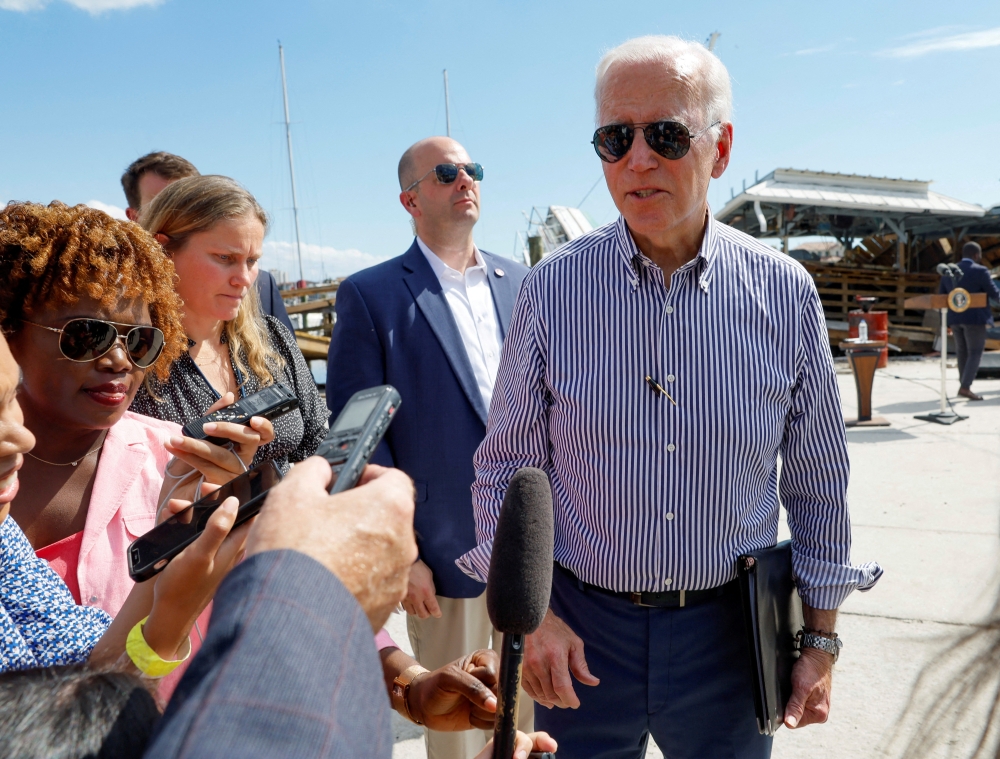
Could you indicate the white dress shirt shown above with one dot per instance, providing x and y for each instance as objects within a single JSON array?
[{"x": 471, "y": 302}]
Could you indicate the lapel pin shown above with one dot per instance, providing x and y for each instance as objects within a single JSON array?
[{"x": 498, "y": 271}]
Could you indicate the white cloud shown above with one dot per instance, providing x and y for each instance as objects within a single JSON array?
[
  {"x": 93, "y": 7},
  {"x": 113, "y": 211},
  {"x": 318, "y": 261},
  {"x": 22, "y": 5},
  {"x": 814, "y": 50},
  {"x": 954, "y": 42}
]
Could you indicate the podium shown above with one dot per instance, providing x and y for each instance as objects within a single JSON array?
[
  {"x": 864, "y": 356},
  {"x": 958, "y": 300}
]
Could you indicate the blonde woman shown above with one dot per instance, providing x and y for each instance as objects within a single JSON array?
[{"x": 213, "y": 231}]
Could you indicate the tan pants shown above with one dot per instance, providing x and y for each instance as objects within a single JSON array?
[{"x": 464, "y": 626}]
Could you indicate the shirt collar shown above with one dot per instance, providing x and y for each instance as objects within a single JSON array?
[
  {"x": 704, "y": 262},
  {"x": 440, "y": 267}
]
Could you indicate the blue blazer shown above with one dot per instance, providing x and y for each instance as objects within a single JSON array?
[
  {"x": 395, "y": 327},
  {"x": 270, "y": 299},
  {"x": 976, "y": 279}
]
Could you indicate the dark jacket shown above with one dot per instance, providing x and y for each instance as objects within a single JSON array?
[
  {"x": 394, "y": 326},
  {"x": 975, "y": 279},
  {"x": 288, "y": 669},
  {"x": 270, "y": 299}
]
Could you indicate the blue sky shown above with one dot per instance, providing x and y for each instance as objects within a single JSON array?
[{"x": 899, "y": 89}]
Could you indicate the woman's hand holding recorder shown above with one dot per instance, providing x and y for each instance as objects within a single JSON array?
[
  {"x": 218, "y": 465},
  {"x": 175, "y": 597},
  {"x": 187, "y": 585}
]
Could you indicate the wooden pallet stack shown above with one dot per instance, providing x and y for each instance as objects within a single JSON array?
[{"x": 838, "y": 286}]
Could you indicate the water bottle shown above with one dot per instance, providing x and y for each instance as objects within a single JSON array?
[{"x": 863, "y": 331}]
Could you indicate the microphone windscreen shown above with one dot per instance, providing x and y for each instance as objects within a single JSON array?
[{"x": 520, "y": 580}]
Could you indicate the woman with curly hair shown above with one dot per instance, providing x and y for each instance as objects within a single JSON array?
[
  {"x": 89, "y": 311},
  {"x": 213, "y": 230},
  {"x": 40, "y": 623}
]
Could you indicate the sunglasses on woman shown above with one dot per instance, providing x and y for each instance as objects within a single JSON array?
[
  {"x": 670, "y": 139},
  {"x": 83, "y": 340},
  {"x": 447, "y": 173}
]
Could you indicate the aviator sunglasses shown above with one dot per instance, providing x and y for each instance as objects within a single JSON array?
[
  {"x": 83, "y": 340},
  {"x": 670, "y": 139},
  {"x": 447, "y": 173}
]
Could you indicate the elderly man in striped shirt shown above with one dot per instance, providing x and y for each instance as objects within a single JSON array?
[{"x": 657, "y": 368}]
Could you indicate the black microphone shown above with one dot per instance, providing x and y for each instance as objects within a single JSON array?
[{"x": 518, "y": 589}]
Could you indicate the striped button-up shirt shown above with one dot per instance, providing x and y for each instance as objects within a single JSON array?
[{"x": 649, "y": 495}]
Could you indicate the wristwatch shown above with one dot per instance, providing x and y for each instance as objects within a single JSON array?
[
  {"x": 809, "y": 639},
  {"x": 401, "y": 691}
]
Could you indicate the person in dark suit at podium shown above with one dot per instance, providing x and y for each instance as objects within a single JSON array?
[
  {"x": 969, "y": 327},
  {"x": 147, "y": 176},
  {"x": 431, "y": 323}
]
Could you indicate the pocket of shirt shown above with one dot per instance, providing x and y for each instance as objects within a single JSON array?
[{"x": 138, "y": 524}]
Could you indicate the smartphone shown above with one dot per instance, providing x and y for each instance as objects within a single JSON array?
[
  {"x": 357, "y": 431},
  {"x": 271, "y": 402},
  {"x": 148, "y": 555}
]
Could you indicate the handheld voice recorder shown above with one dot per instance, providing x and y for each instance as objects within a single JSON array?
[
  {"x": 355, "y": 434},
  {"x": 150, "y": 554},
  {"x": 270, "y": 403}
]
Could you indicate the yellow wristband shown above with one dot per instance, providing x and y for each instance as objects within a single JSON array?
[{"x": 146, "y": 659}]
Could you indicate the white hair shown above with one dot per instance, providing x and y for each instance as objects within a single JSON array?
[{"x": 683, "y": 56}]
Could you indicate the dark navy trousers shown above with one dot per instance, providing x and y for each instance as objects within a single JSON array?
[{"x": 682, "y": 675}]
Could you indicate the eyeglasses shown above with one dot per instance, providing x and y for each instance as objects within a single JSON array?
[
  {"x": 83, "y": 340},
  {"x": 670, "y": 139},
  {"x": 448, "y": 172}
]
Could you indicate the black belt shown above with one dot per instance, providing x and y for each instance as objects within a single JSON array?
[{"x": 667, "y": 599}]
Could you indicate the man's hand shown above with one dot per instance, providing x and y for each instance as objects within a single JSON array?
[
  {"x": 421, "y": 599},
  {"x": 364, "y": 535},
  {"x": 812, "y": 678},
  {"x": 812, "y": 675},
  {"x": 550, "y": 654},
  {"x": 525, "y": 744},
  {"x": 458, "y": 696}
]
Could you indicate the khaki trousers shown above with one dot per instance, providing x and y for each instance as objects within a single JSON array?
[{"x": 464, "y": 626}]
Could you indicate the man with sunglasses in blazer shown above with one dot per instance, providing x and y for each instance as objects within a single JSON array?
[
  {"x": 431, "y": 323},
  {"x": 656, "y": 369}
]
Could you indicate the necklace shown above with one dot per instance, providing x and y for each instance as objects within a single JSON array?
[{"x": 70, "y": 463}]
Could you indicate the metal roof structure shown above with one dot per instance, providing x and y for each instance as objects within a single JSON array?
[
  {"x": 548, "y": 229},
  {"x": 793, "y": 202}
]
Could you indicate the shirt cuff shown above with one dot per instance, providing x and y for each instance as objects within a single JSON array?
[
  {"x": 476, "y": 563},
  {"x": 823, "y": 585},
  {"x": 384, "y": 640}
]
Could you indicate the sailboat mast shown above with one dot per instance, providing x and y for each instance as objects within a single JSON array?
[
  {"x": 447, "y": 112},
  {"x": 291, "y": 163}
]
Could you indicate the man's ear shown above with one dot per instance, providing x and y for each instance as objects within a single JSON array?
[
  {"x": 409, "y": 203},
  {"x": 132, "y": 214},
  {"x": 161, "y": 238}
]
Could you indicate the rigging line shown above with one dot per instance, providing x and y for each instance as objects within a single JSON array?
[{"x": 591, "y": 190}]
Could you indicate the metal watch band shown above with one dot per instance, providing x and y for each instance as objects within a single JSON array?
[
  {"x": 831, "y": 645},
  {"x": 401, "y": 691}
]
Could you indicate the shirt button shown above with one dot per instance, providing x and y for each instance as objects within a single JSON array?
[
  {"x": 670, "y": 378},
  {"x": 669, "y": 581},
  {"x": 670, "y": 516},
  {"x": 93, "y": 599},
  {"x": 670, "y": 309},
  {"x": 671, "y": 447}
]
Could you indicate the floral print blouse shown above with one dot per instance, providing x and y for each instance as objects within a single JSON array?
[{"x": 40, "y": 623}]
